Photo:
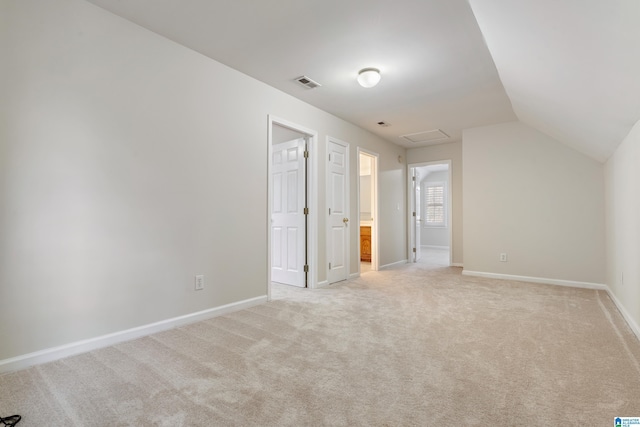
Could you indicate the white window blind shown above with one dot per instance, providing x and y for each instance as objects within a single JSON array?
[{"x": 434, "y": 205}]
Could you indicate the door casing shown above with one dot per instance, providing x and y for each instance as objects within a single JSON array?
[
  {"x": 410, "y": 204},
  {"x": 311, "y": 195},
  {"x": 375, "y": 252}
]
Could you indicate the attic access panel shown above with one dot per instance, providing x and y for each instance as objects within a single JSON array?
[{"x": 426, "y": 136}]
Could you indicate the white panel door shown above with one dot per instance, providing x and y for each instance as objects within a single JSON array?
[
  {"x": 287, "y": 216},
  {"x": 417, "y": 223},
  {"x": 338, "y": 209}
]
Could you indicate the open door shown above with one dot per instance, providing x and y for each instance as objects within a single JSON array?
[
  {"x": 292, "y": 189},
  {"x": 430, "y": 225},
  {"x": 288, "y": 227},
  {"x": 416, "y": 222}
]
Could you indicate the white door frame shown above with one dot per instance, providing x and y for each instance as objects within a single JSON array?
[
  {"x": 410, "y": 197},
  {"x": 375, "y": 251},
  {"x": 312, "y": 199},
  {"x": 350, "y": 223}
]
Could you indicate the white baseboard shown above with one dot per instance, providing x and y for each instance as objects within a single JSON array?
[
  {"x": 354, "y": 275},
  {"x": 558, "y": 282},
  {"x": 393, "y": 264},
  {"x": 322, "y": 284},
  {"x": 56, "y": 353},
  {"x": 625, "y": 314},
  {"x": 456, "y": 264}
]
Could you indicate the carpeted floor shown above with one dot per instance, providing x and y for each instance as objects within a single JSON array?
[{"x": 419, "y": 345}]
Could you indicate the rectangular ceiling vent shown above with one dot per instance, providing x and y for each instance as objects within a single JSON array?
[
  {"x": 307, "y": 82},
  {"x": 427, "y": 136}
]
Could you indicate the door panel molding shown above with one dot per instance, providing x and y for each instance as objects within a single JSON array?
[
  {"x": 339, "y": 222},
  {"x": 288, "y": 226}
]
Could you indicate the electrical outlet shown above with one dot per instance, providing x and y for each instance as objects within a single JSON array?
[
  {"x": 503, "y": 257},
  {"x": 199, "y": 282}
]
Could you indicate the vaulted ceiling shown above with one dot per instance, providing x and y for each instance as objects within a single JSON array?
[
  {"x": 571, "y": 68},
  {"x": 568, "y": 68}
]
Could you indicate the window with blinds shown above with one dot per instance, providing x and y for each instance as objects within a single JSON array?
[{"x": 434, "y": 215}]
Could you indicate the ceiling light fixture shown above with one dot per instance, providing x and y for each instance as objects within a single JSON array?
[{"x": 369, "y": 77}]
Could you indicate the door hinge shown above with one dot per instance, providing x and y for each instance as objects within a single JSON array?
[
  {"x": 306, "y": 268},
  {"x": 329, "y": 266},
  {"x": 306, "y": 154},
  {"x": 306, "y": 211},
  {"x": 413, "y": 178},
  {"x": 414, "y": 214},
  {"x": 414, "y": 250},
  {"x": 329, "y": 157},
  {"x": 329, "y": 211}
]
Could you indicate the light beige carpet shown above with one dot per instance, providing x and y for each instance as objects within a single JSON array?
[{"x": 406, "y": 347}]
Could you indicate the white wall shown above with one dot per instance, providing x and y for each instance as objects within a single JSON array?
[
  {"x": 451, "y": 151},
  {"x": 366, "y": 206},
  {"x": 622, "y": 186},
  {"x": 535, "y": 199},
  {"x": 434, "y": 236},
  {"x": 118, "y": 155}
]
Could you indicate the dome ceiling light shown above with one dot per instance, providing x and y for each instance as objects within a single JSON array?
[{"x": 369, "y": 77}]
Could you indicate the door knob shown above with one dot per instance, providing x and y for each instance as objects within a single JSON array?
[{"x": 345, "y": 220}]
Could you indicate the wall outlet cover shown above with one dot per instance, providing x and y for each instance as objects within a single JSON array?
[{"x": 199, "y": 282}]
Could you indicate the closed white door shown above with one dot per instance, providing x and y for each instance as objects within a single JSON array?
[
  {"x": 287, "y": 217},
  {"x": 338, "y": 210},
  {"x": 417, "y": 223}
]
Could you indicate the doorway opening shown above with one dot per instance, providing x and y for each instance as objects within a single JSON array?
[
  {"x": 291, "y": 205},
  {"x": 368, "y": 210},
  {"x": 430, "y": 225}
]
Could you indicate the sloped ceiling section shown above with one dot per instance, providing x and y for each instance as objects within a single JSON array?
[{"x": 571, "y": 68}]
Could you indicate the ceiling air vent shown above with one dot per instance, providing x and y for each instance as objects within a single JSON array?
[
  {"x": 427, "y": 136},
  {"x": 307, "y": 82}
]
